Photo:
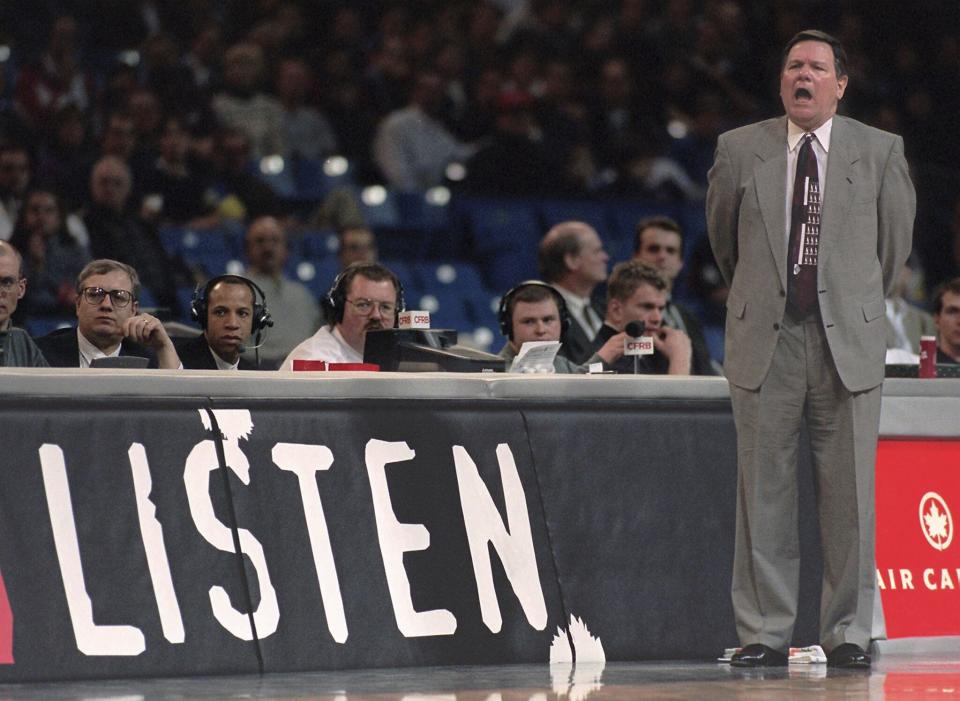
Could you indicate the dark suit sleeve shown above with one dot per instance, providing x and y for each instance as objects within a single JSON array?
[
  {"x": 723, "y": 207},
  {"x": 896, "y": 211}
]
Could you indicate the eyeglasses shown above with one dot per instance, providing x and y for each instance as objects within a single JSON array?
[
  {"x": 95, "y": 295},
  {"x": 364, "y": 307},
  {"x": 8, "y": 283}
]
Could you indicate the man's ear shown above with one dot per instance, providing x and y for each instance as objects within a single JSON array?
[
  {"x": 136, "y": 307},
  {"x": 572, "y": 261},
  {"x": 21, "y": 288}
]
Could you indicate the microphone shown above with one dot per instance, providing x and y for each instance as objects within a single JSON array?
[
  {"x": 241, "y": 349},
  {"x": 636, "y": 344}
]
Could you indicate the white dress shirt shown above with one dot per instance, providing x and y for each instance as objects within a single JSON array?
[{"x": 327, "y": 345}]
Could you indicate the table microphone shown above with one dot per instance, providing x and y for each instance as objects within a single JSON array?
[{"x": 634, "y": 331}]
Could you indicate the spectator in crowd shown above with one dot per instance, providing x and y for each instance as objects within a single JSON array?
[
  {"x": 16, "y": 347},
  {"x": 364, "y": 297},
  {"x": 240, "y": 194},
  {"x": 15, "y": 174},
  {"x": 572, "y": 259},
  {"x": 109, "y": 322},
  {"x": 227, "y": 311},
  {"x": 307, "y": 133},
  {"x": 517, "y": 141},
  {"x": 64, "y": 160},
  {"x": 243, "y": 105},
  {"x": 358, "y": 244},
  {"x": 535, "y": 311},
  {"x": 52, "y": 257},
  {"x": 295, "y": 312},
  {"x": 174, "y": 193},
  {"x": 946, "y": 316},
  {"x": 637, "y": 292},
  {"x": 905, "y": 323},
  {"x": 618, "y": 123},
  {"x": 56, "y": 79},
  {"x": 114, "y": 231},
  {"x": 412, "y": 147},
  {"x": 659, "y": 244}
]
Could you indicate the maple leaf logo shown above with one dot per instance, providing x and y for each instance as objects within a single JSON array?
[{"x": 936, "y": 521}]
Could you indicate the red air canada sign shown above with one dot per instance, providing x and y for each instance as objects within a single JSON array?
[{"x": 918, "y": 557}]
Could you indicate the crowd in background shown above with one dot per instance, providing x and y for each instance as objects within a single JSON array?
[{"x": 117, "y": 117}]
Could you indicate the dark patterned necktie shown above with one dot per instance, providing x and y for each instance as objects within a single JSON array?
[{"x": 804, "y": 246}]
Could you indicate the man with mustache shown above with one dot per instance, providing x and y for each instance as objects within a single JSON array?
[
  {"x": 810, "y": 216},
  {"x": 363, "y": 297}
]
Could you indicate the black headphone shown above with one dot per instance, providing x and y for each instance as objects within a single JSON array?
[
  {"x": 261, "y": 315},
  {"x": 335, "y": 301},
  {"x": 505, "y": 313}
]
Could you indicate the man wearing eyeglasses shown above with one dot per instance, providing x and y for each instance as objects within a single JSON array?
[
  {"x": 364, "y": 297},
  {"x": 16, "y": 348},
  {"x": 109, "y": 322}
]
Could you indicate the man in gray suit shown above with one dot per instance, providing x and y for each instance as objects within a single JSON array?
[{"x": 808, "y": 268}]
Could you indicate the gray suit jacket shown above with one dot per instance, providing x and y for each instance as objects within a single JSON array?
[{"x": 866, "y": 231}]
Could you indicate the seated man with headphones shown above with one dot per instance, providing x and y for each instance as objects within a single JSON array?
[
  {"x": 229, "y": 309},
  {"x": 536, "y": 311},
  {"x": 365, "y": 296}
]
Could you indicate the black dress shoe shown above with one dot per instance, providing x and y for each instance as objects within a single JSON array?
[
  {"x": 758, "y": 655},
  {"x": 848, "y": 656}
]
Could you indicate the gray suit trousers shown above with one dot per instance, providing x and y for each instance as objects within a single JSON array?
[{"x": 803, "y": 385}]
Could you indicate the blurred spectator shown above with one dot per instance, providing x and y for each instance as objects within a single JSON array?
[
  {"x": 128, "y": 238},
  {"x": 242, "y": 104},
  {"x": 65, "y": 160},
  {"x": 56, "y": 79},
  {"x": 904, "y": 322},
  {"x": 572, "y": 259},
  {"x": 358, "y": 244},
  {"x": 412, "y": 147},
  {"x": 15, "y": 174},
  {"x": 295, "y": 312},
  {"x": 12, "y": 127},
  {"x": 240, "y": 194},
  {"x": 618, "y": 119},
  {"x": 52, "y": 258},
  {"x": 307, "y": 133},
  {"x": 16, "y": 347},
  {"x": 515, "y": 162},
  {"x": 173, "y": 192}
]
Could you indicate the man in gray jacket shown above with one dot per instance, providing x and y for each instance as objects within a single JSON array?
[{"x": 808, "y": 250}]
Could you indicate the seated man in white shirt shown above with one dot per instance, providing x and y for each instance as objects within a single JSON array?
[
  {"x": 109, "y": 322},
  {"x": 363, "y": 297}
]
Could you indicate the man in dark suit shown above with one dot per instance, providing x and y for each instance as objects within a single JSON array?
[
  {"x": 808, "y": 268},
  {"x": 109, "y": 322},
  {"x": 638, "y": 293},
  {"x": 574, "y": 262},
  {"x": 659, "y": 244},
  {"x": 227, "y": 311}
]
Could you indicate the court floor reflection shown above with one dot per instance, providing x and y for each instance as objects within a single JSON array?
[{"x": 891, "y": 679}]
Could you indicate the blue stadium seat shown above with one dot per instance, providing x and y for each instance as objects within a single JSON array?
[
  {"x": 38, "y": 326},
  {"x": 316, "y": 178},
  {"x": 595, "y": 214},
  {"x": 505, "y": 234}
]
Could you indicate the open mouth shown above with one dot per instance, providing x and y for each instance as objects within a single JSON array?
[{"x": 802, "y": 94}]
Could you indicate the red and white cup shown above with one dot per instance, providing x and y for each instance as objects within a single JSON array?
[{"x": 928, "y": 356}]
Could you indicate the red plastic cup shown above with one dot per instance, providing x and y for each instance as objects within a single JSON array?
[{"x": 928, "y": 356}]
